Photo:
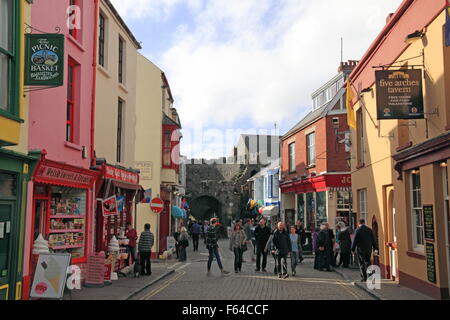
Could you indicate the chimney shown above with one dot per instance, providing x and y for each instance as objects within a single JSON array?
[{"x": 347, "y": 67}]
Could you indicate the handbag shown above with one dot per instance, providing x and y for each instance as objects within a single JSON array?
[{"x": 244, "y": 247}]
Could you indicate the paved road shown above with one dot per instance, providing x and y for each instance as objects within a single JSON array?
[{"x": 190, "y": 282}]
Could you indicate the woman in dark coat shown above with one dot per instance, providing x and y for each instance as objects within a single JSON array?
[
  {"x": 345, "y": 243},
  {"x": 325, "y": 249}
]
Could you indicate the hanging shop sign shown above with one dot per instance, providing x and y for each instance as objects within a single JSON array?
[
  {"x": 399, "y": 94},
  {"x": 109, "y": 206},
  {"x": 44, "y": 60}
]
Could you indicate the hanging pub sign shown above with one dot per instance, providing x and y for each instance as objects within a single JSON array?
[
  {"x": 109, "y": 206},
  {"x": 399, "y": 94},
  {"x": 44, "y": 60}
]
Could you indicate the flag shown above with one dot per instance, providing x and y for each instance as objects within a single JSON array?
[
  {"x": 349, "y": 104},
  {"x": 147, "y": 196},
  {"x": 447, "y": 24}
]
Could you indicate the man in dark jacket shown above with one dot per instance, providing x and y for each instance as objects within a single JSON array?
[
  {"x": 325, "y": 249},
  {"x": 301, "y": 234},
  {"x": 262, "y": 235},
  {"x": 282, "y": 245},
  {"x": 213, "y": 247},
  {"x": 363, "y": 243},
  {"x": 196, "y": 229},
  {"x": 345, "y": 245},
  {"x": 145, "y": 245},
  {"x": 332, "y": 241}
]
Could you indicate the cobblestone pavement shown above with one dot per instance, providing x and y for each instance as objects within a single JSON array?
[{"x": 190, "y": 282}]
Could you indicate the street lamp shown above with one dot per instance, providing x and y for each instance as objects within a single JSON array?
[{"x": 413, "y": 37}]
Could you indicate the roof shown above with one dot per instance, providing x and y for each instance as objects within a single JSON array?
[
  {"x": 123, "y": 24},
  {"x": 274, "y": 165},
  {"x": 168, "y": 121},
  {"x": 313, "y": 116}
]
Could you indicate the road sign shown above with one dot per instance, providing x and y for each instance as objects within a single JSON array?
[{"x": 157, "y": 205}]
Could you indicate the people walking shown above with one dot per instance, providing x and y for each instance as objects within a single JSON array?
[
  {"x": 325, "y": 248},
  {"x": 213, "y": 247},
  {"x": 145, "y": 245},
  {"x": 270, "y": 248},
  {"x": 332, "y": 242},
  {"x": 183, "y": 241},
  {"x": 249, "y": 234},
  {"x": 204, "y": 230},
  {"x": 345, "y": 245},
  {"x": 176, "y": 234},
  {"x": 337, "y": 247},
  {"x": 196, "y": 229},
  {"x": 301, "y": 234},
  {"x": 315, "y": 248},
  {"x": 237, "y": 242},
  {"x": 282, "y": 244},
  {"x": 295, "y": 245},
  {"x": 132, "y": 236},
  {"x": 363, "y": 243},
  {"x": 262, "y": 235}
]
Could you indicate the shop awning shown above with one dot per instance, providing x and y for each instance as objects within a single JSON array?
[
  {"x": 271, "y": 211},
  {"x": 124, "y": 185},
  {"x": 177, "y": 212}
]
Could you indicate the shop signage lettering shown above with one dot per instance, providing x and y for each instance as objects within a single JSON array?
[
  {"x": 399, "y": 94},
  {"x": 44, "y": 60},
  {"x": 121, "y": 175},
  {"x": 431, "y": 263},
  {"x": 428, "y": 222},
  {"x": 64, "y": 175}
]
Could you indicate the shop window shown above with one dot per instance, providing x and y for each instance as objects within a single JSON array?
[
  {"x": 301, "y": 208},
  {"x": 292, "y": 167},
  {"x": 362, "y": 203},
  {"x": 102, "y": 40},
  {"x": 8, "y": 51},
  {"x": 311, "y": 149},
  {"x": 66, "y": 221},
  {"x": 361, "y": 136},
  {"x": 72, "y": 103},
  {"x": 310, "y": 211},
  {"x": 416, "y": 211},
  {"x": 7, "y": 185},
  {"x": 321, "y": 199},
  {"x": 121, "y": 60},
  {"x": 120, "y": 111}
]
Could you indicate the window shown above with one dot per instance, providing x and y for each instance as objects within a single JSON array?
[
  {"x": 292, "y": 167},
  {"x": 343, "y": 200},
  {"x": 73, "y": 31},
  {"x": 101, "y": 40},
  {"x": 8, "y": 74},
  {"x": 362, "y": 200},
  {"x": 120, "y": 130},
  {"x": 417, "y": 212},
  {"x": 311, "y": 148},
  {"x": 275, "y": 185},
  {"x": 167, "y": 149},
  {"x": 71, "y": 100},
  {"x": 121, "y": 57},
  {"x": 360, "y": 132}
]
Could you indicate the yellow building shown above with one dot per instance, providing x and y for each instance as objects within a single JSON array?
[
  {"x": 399, "y": 166},
  {"x": 156, "y": 140},
  {"x": 16, "y": 165}
]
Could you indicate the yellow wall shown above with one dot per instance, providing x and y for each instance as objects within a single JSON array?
[
  {"x": 381, "y": 144},
  {"x": 109, "y": 90},
  {"x": 149, "y": 135}
]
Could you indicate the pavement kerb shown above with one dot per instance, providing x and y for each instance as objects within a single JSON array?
[
  {"x": 166, "y": 274},
  {"x": 360, "y": 286}
]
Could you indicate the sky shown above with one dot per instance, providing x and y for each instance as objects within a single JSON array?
[{"x": 248, "y": 66}]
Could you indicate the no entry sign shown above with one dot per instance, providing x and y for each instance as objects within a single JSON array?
[{"x": 157, "y": 205}]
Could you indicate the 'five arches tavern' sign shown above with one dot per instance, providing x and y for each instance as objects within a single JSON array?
[{"x": 44, "y": 60}]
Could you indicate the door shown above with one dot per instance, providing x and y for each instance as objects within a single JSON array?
[
  {"x": 164, "y": 226},
  {"x": 447, "y": 214},
  {"x": 6, "y": 249},
  {"x": 392, "y": 236}
]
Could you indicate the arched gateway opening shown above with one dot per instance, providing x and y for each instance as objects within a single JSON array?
[{"x": 205, "y": 208}]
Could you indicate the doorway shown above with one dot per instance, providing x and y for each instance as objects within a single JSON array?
[
  {"x": 6, "y": 249},
  {"x": 445, "y": 190}
]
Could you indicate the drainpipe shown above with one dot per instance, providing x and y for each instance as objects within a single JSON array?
[{"x": 94, "y": 83}]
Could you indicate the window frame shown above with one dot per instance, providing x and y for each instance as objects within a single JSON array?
[
  {"x": 292, "y": 158},
  {"x": 119, "y": 132},
  {"x": 360, "y": 138},
  {"x": 72, "y": 84},
  {"x": 121, "y": 61},
  {"x": 102, "y": 40},
  {"x": 363, "y": 213},
  {"x": 12, "y": 110},
  {"x": 415, "y": 209},
  {"x": 311, "y": 148}
]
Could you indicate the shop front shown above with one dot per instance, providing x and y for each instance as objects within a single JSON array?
[
  {"x": 111, "y": 218},
  {"x": 15, "y": 172},
  {"x": 61, "y": 211}
]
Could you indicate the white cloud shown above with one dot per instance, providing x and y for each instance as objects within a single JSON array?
[{"x": 260, "y": 59}]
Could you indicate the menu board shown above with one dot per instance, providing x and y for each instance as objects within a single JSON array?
[
  {"x": 95, "y": 270},
  {"x": 431, "y": 263},
  {"x": 428, "y": 222}
]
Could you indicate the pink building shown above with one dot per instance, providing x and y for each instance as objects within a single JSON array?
[{"x": 61, "y": 194}]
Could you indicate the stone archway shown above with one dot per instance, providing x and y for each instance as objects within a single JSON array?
[{"x": 205, "y": 208}]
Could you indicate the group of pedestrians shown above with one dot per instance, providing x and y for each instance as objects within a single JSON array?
[{"x": 144, "y": 246}]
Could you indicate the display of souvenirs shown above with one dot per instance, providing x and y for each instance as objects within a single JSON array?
[
  {"x": 73, "y": 224},
  {"x": 65, "y": 240}
]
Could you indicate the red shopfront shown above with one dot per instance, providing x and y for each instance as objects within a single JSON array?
[
  {"x": 124, "y": 184},
  {"x": 324, "y": 198},
  {"x": 62, "y": 210}
]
